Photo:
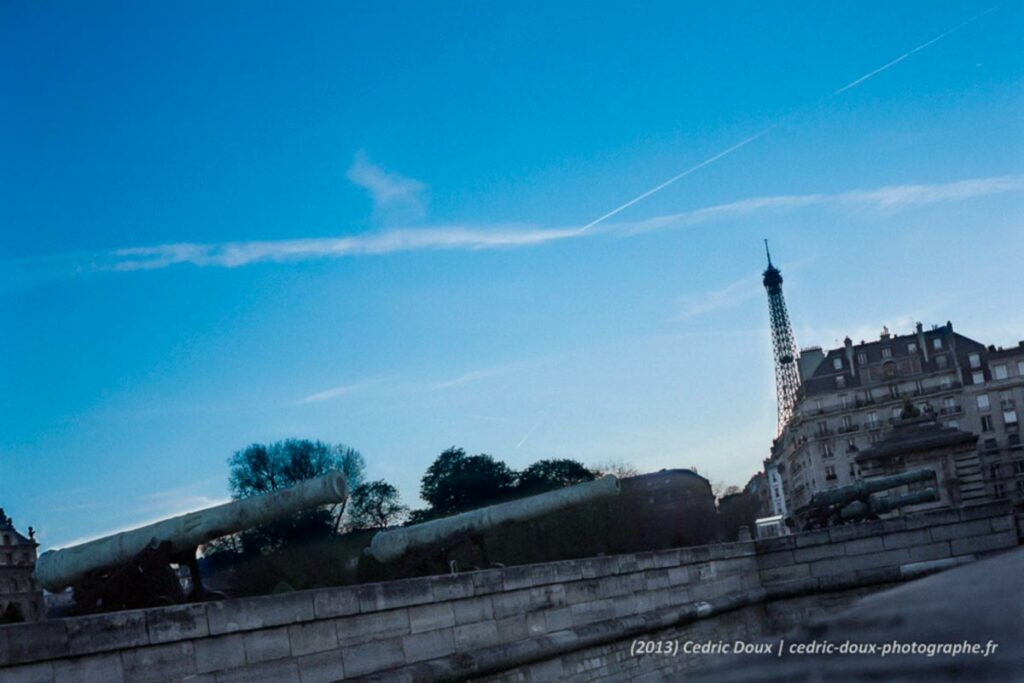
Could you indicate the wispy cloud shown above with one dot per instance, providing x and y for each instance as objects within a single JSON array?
[
  {"x": 729, "y": 296},
  {"x": 506, "y": 236},
  {"x": 328, "y": 394},
  {"x": 465, "y": 378},
  {"x": 390, "y": 191}
]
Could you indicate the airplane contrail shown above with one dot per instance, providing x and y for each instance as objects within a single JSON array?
[
  {"x": 530, "y": 433},
  {"x": 755, "y": 136},
  {"x": 855, "y": 83}
]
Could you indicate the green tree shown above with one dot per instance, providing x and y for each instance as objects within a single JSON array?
[
  {"x": 260, "y": 469},
  {"x": 375, "y": 505},
  {"x": 548, "y": 475},
  {"x": 455, "y": 482}
]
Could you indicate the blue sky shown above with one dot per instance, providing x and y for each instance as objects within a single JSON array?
[{"x": 227, "y": 223}]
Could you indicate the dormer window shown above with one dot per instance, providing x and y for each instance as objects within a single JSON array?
[
  {"x": 886, "y": 352},
  {"x": 837, "y": 363},
  {"x": 937, "y": 343},
  {"x": 912, "y": 347},
  {"x": 974, "y": 359},
  {"x": 862, "y": 358}
]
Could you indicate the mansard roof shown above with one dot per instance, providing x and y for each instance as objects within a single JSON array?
[{"x": 917, "y": 435}]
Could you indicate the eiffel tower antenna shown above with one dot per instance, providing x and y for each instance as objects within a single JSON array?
[{"x": 787, "y": 375}]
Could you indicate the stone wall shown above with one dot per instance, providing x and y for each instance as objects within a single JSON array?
[{"x": 571, "y": 620}]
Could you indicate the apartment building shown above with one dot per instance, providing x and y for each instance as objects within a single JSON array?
[{"x": 851, "y": 397}]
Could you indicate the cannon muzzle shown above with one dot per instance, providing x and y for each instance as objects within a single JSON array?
[
  {"x": 878, "y": 506},
  {"x": 58, "y": 569},
  {"x": 394, "y": 543}
]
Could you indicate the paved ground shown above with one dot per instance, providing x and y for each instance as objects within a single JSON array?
[{"x": 976, "y": 604}]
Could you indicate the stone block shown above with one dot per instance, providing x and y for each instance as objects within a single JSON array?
[
  {"x": 487, "y": 581},
  {"x": 35, "y": 641},
  {"x": 41, "y": 672},
  {"x": 312, "y": 637},
  {"x": 105, "y": 668},
  {"x": 421, "y": 646},
  {"x": 245, "y": 614},
  {"x": 377, "y": 655},
  {"x": 656, "y": 579},
  {"x": 596, "y": 567},
  {"x": 664, "y": 559},
  {"x": 219, "y": 652},
  {"x": 976, "y": 527},
  {"x": 933, "y": 519},
  {"x": 335, "y": 602},
  {"x": 322, "y": 667},
  {"x": 697, "y": 553},
  {"x": 771, "y": 545},
  {"x": 847, "y": 532},
  {"x": 644, "y": 561},
  {"x": 431, "y": 617},
  {"x": 453, "y": 587},
  {"x": 777, "y": 559},
  {"x": 365, "y": 627},
  {"x": 932, "y": 551},
  {"x": 512, "y": 629},
  {"x": 546, "y": 672},
  {"x": 611, "y": 586},
  {"x": 535, "y": 624},
  {"x": 280, "y": 671},
  {"x": 582, "y": 591},
  {"x": 905, "y": 539},
  {"x": 159, "y": 663},
  {"x": 104, "y": 632},
  {"x": 474, "y": 636},
  {"x": 886, "y": 574},
  {"x": 396, "y": 594},
  {"x": 180, "y": 622},
  {"x": 786, "y": 573},
  {"x": 473, "y": 610},
  {"x": 984, "y": 544},
  {"x": 589, "y": 612},
  {"x": 628, "y": 564},
  {"x": 266, "y": 644},
  {"x": 817, "y": 552},
  {"x": 985, "y": 510},
  {"x": 861, "y": 546},
  {"x": 558, "y": 619},
  {"x": 679, "y": 576},
  {"x": 1004, "y": 523},
  {"x": 507, "y": 604}
]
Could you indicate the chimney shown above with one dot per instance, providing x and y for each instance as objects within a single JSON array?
[
  {"x": 919, "y": 329},
  {"x": 848, "y": 343}
]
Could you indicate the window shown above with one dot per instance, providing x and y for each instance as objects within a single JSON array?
[
  {"x": 974, "y": 359},
  {"x": 999, "y": 372},
  {"x": 886, "y": 352},
  {"x": 896, "y": 413},
  {"x": 876, "y": 437},
  {"x": 844, "y": 400},
  {"x": 840, "y": 382},
  {"x": 862, "y": 358},
  {"x": 852, "y": 474},
  {"x": 894, "y": 391},
  {"x": 837, "y": 363},
  {"x": 983, "y": 402},
  {"x": 947, "y": 382},
  {"x": 937, "y": 343},
  {"x": 7, "y": 539},
  {"x": 847, "y": 422},
  {"x": 1013, "y": 440},
  {"x": 822, "y": 428},
  {"x": 830, "y": 472},
  {"x": 1018, "y": 466},
  {"x": 977, "y": 377},
  {"x": 819, "y": 406},
  {"x": 940, "y": 362},
  {"x": 991, "y": 445},
  {"x": 986, "y": 423},
  {"x": 825, "y": 449},
  {"x": 953, "y": 424},
  {"x": 872, "y": 419},
  {"x": 851, "y": 446},
  {"x": 1020, "y": 368},
  {"x": 912, "y": 347},
  {"x": 1010, "y": 418},
  {"x": 889, "y": 370}
]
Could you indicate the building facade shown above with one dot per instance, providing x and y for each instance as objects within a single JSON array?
[
  {"x": 851, "y": 397},
  {"x": 21, "y": 598}
]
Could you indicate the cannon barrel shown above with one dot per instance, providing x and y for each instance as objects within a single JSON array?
[
  {"x": 865, "y": 487},
  {"x": 58, "y": 569},
  {"x": 394, "y": 543},
  {"x": 878, "y": 506}
]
